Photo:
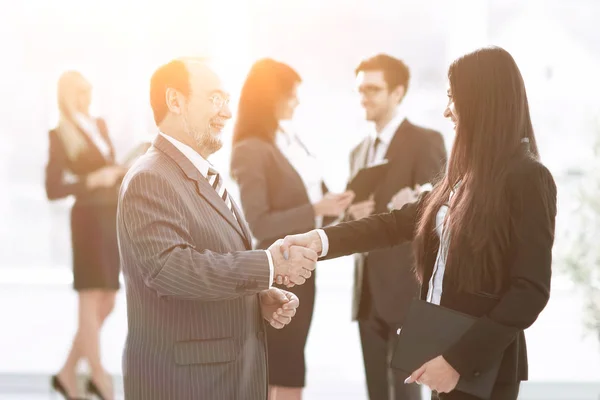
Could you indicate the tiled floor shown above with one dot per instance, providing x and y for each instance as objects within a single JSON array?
[
  {"x": 37, "y": 320},
  {"x": 40, "y": 309}
]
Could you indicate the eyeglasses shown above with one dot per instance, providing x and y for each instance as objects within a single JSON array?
[
  {"x": 219, "y": 100},
  {"x": 370, "y": 90}
]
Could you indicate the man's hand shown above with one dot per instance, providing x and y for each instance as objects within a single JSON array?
[
  {"x": 437, "y": 374},
  {"x": 362, "y": 209},
  {"x": 278, "y": 306},
  {"x": 298, "y": 264},
  {"x": 310, "y": 240}
]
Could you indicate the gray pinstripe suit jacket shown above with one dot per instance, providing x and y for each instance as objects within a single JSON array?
[{"x": 194, "y": 324}]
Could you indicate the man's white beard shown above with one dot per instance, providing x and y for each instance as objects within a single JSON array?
[{"x": 203, "y": 141}]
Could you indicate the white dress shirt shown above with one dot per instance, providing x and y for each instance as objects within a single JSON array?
[
  {"x": 90, "y": 127},
  {"x": 203, "y": 165},
  {"x": 385, "y": 137},
  {"x": 305, "y": 164},
  {"x": 435, "y": 288}
]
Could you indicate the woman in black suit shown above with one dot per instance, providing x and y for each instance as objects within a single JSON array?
[
  {"x": 82, "y": 164},
  {"x": 483, "y": 237},
  {"x": 282, "y": 192}
]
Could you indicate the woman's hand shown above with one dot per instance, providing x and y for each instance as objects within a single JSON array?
[
  {"x": 437, "y": 374},
  {"x": 333, "y": 204},
  {"x": 105, "y": 177}
]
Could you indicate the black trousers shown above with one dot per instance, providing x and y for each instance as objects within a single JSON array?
[
  {"x": 500, "y": 392},
  {"x": 378, "y": 339}
]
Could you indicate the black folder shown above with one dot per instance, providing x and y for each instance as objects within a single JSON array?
[
  {"x": 366, "y": 180},
  {"x": 427, "y": 332}
]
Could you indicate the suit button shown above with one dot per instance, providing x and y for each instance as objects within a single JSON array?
[{"x": 476, "y": 373}]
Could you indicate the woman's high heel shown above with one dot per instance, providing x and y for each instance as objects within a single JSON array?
[
  {"x": 60, "y": 388},
  {"x": 93, "y": 389}
]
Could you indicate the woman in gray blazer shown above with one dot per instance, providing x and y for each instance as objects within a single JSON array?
[{"x": 282, "y": 193}]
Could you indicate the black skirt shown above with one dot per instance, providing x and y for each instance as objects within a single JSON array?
[
  {"x": 95, "y": 248},
  {"x": 287, "y": 366}
]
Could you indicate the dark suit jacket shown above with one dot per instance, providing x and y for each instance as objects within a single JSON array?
[
  {"x": 195, "y": 329},
  {"x": 273, "y": 195},
  {"x": 417, "y": 156},
  {"x": 90, "y": 160},
  {"x": 531, "y": 192}
]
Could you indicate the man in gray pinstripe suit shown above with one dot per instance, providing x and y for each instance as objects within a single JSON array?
[{"x": 197, "y": 296}]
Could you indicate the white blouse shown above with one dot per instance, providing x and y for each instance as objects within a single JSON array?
[
  {"x": 90, "y": 127},
  {"x": 305, "y": 164},
  {"x": 436, "y": 283},
  {"x": 434, "y": 293}
]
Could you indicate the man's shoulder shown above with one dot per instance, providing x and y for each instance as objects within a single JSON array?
[
  {"x": 427, "y": 136},
  {"x": 356, "y": 148},
  {"x": 423, "y": 131},
  {"x": 153, "y": 166}
]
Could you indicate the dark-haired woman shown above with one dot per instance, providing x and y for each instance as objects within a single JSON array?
[{"x": 483, "y": 237}]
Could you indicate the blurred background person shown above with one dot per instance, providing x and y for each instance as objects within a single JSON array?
[
  {"x": 385, "y": 282},
  {"x": 82, "y": 164},
  {"x": 282, "y": 192}
]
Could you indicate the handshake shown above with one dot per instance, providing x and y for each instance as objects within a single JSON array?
[{"x": 295, "y": 257}]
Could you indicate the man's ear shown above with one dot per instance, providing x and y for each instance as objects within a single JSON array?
[
  {"x": 173, "y": 100},
  {"x": 399, "y": 93}
]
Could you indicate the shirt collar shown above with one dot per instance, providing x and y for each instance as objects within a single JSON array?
[
  {"x": 387, "y": 133},
  {"x": 199, "y": 162}
]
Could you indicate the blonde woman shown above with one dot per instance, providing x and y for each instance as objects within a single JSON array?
[{"x": 81, "y": 164}]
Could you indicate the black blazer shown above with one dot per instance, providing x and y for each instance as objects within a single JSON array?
[
  {"x": 272, "y": 193},
  {"x": 417, "y": 155},
  {"x": 526, "y": 285},
  {"x": 88, "y": 161}
]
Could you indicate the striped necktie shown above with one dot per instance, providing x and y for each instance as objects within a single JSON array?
[{"x": 215, "y": 180}]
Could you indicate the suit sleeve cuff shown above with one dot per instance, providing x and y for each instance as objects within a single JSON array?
[
  {"x": 271, "y": 267},
  {"x": 324, "y": 242}
]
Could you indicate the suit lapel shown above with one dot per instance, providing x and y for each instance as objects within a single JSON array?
[
  {"x": 398, "y": 140},
  {"x": 94, "y": 156},
  {"x": 361, "y": 156},
  {"x": 242, "y": 222},
  {"x": 104, "y": 132},
  {"x": 203, "y": 188}
]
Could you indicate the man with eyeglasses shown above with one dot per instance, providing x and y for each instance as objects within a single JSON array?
[
  {"x": 384, "y": 279},
  {"x": 197, "y": 295}
]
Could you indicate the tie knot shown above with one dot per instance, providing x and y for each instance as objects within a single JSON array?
[{"x": 212, "y": 172}]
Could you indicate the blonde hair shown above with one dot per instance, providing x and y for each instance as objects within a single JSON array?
[{"x": 69, "y": 86}]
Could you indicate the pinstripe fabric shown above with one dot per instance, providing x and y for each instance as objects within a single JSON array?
[{"x": 194, "y": 324}]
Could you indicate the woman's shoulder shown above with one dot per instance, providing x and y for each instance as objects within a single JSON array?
[
  {"x": 54, "y": 134},
  {"x": 528, "y": 167},
  {"x": 253, "y": 145},
  {"x": 528, "y": 176}
]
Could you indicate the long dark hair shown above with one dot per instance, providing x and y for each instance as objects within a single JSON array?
[
  {"x": 267, "y": 83},
  {"x": 493, "y": 122}
]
